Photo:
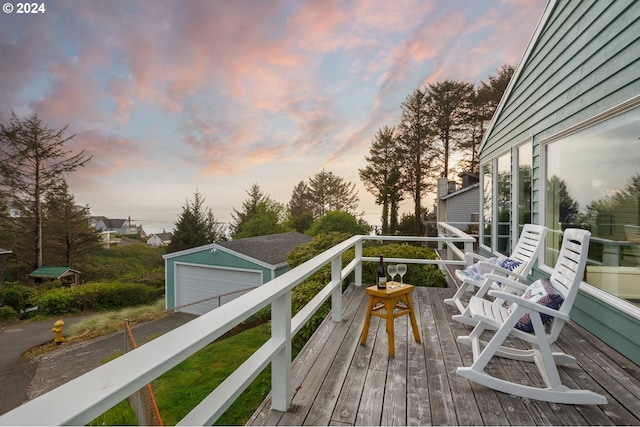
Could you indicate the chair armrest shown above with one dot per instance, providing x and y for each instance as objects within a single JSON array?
[
  {"x": 472, "y": 257},
  {"x": 508, "y": 282},
  {"x": 496, "y": 267},
  {"x": 528, "y": 304}
]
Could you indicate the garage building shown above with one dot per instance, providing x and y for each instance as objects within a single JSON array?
[{"x": 225, "y": 268}]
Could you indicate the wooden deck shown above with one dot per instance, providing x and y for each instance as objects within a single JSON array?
[{"x": 336, "y": 381}]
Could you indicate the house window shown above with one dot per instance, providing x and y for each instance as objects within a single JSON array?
[
  {"x": 487, "y": 204},
  {"x": 593, "y": 182},
  {"x": 504, "y": 204},
  {"x": 525, "y": 162}
]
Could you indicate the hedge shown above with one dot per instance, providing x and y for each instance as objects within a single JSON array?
[{"x": 95, "y": 297}]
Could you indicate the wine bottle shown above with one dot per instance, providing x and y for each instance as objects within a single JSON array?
[{"x": 381, "y": 276}]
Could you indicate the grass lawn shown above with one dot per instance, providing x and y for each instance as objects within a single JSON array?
[{"x": 182, "y": 388}]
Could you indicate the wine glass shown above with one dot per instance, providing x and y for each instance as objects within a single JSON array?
[
  {"x": 402, "y": 270},
  {"x": 392, "y": 270}
]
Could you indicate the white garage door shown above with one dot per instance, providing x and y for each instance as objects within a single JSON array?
[{"x": 197, "y": 283}]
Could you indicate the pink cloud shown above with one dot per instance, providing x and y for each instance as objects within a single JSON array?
[
  {"x": 73, "y": 93},
  {"x": 111, "y": 156}
]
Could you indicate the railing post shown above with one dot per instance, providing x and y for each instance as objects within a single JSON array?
[
  {"x": 281, "y": 365},
  {"x": 441, "y": 233},
  {"x": 336, "y": 293},
  {"x": 468, "y": 247},
  {"x": 358, "y": 269}
]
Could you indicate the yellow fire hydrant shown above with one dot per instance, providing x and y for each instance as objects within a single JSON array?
[{"x": 57, "y": 329}]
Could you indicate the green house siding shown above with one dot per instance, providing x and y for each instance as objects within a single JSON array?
[
  {"x": 583, "y": 61},
  {"x": 219, "y": 259}
]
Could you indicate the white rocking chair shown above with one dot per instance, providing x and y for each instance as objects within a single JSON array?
[
  {"x": 493, "y": 315},
  {"x": 526, "y": 251}
]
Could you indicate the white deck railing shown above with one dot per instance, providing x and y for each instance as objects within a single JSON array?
[{"x": 83, "y": 399}]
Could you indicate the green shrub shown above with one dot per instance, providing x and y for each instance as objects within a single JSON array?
[
  {"x": 94, "y": 297},
  {"x": 417, "y": 274},
  {"x": 15, "y": 295},
  {"x": 8, "y": 313}
]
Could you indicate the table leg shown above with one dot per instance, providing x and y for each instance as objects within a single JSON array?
[
  {"x": 367, "y": 321},
  {"x": 412, "y": 316},
  {"x": 390, "y": 304}
]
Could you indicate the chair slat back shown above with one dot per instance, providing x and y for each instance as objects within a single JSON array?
[
  {"x": 529, "y": 245},
  {"x": 569, "y": 270}
]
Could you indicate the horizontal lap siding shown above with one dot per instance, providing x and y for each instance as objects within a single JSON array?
[{"x": 585, "y": 61}]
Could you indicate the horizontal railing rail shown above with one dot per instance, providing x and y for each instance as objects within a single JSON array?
[{"x": 84, "y": 398}]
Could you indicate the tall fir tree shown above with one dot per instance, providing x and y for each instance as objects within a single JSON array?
[
  {"x": 448, "y": 105},
  {"x": 417, "y": 143},
  {"x": 68, "y": 234},
  {"x": 33, "y": 161},
  {"x": 196, "y": 226},
  {"x": 382, "y": 176}
]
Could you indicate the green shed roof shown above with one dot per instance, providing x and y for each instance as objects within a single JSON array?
[{"x": 52, "y": 272}]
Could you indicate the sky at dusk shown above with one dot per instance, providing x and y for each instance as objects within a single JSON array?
[{"x": 172, "y": 97}]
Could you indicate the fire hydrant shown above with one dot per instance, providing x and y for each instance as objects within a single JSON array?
[{"x": 57, "y": 329}]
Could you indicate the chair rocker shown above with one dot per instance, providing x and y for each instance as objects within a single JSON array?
[
  {"x": 501, "y": 320},
  {"x": 526, "y": 251}
]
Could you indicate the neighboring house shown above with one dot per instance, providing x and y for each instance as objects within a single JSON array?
[
  {"x": 3, "y": 253},
  {"x": 159, "y": 239},
  {"x": 563, "y": 150},
  {"x": 66, "y": 275},
  {"x": 117, "y": 226},
  {"x": 459, "y": 206},
  {"x": 220, "y": 268}
]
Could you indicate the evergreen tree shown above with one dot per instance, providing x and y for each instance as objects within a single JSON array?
[
  {"x": 417, "y": 143},
  {"x": 33, "y": 161},
  {"x": 484, "y": 103},
  {"x": 447, "y": 105},
  {"x": 68, "y": 234},
  {"x": 329, "y": 192},
  {"x": 300, "y": 208},
  {"x": 196, "y": 226},
  {"x": 382, "y": 177},
  {"x": 260, "y": 215}
]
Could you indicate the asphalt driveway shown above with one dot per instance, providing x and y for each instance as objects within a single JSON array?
[{"x": 17, "y": 371}]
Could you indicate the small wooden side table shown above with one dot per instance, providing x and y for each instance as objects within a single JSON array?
[{"x": 389, "y": 303}]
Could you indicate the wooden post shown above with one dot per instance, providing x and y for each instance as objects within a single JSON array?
[{"x": 281, "y": 365}]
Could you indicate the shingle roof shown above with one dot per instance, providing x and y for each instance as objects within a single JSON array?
[{"x": 271, "y": 249}]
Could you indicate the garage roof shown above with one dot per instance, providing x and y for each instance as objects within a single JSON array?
[
  {"x": 269, "y": 251},
  {"x": 272, "y": 249}
]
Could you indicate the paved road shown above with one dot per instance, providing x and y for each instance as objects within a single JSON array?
[
  {"x": 23, "y": 379},
  {"x": 16, "y": 371}
]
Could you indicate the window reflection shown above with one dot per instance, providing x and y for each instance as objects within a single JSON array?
[
  {"x": 593, "y": 182},
  {"x": 487, "y": 203},
  {"x": 504, "y": 204},
  {"x": 525, "y": 162}
]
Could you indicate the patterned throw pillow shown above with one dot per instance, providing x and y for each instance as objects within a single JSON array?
[
  {"x": 542, "y": 292},
  {"x": 476, "y": 272},
  {"x": 511, "y": 265}
]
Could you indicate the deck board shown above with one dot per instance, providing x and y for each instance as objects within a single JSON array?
[{"x": 337, "y": 381}]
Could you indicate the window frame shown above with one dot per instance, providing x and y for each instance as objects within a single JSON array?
[{"x": 624, "y": 107}]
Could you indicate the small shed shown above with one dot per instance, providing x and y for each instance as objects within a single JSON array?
[
  {"x": 67, "y": 275},
  {"x": 222, "y": 268}
]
